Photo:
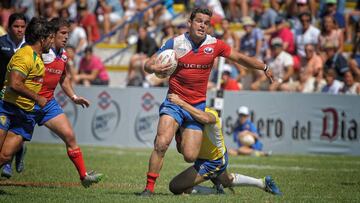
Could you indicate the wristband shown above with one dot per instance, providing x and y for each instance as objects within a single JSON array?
[
  {"x": 266, "y": 68},
  {"x": 74, "y": 97}
]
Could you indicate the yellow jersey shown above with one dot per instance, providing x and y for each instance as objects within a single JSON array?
[
  {"x": 213, "y": 145},
  {"x": 27, "y": 62}
]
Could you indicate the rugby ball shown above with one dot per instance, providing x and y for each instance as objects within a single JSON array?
[
  {"x": 165, "y": 57},
  {"x": 247, "y": 140}
]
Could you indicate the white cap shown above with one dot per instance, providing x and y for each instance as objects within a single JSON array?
[{"x": 243, "y": 110}]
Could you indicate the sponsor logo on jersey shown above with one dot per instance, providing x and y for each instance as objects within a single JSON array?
[
  {"x": 194, "y": 66},
  {"x": 3, "y": 120},
  {"x": 208, "y": 50},
  {"x": 5, "y": 48},
  {"x": 64, "y": 57},
  {"x": 54, "y": 71}
]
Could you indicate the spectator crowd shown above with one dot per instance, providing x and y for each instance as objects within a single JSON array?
[{"x": 303, "y": 41}]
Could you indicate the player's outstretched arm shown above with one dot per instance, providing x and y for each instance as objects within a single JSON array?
[
  {"x": 200, "y": 116},
  {"x": 153, "y": 66},
  {"x": 250, "y": 62},
  {"x": 66, "y": 85}
]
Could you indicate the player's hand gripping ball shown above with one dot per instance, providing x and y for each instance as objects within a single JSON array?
[{"x": 165, "y": 57}]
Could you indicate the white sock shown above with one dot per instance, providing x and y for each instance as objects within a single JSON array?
[
  {"x": 241, "y": 180},
  {"x": 198, "y": 189}
]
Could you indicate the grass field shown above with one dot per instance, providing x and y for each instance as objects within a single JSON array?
[{"x": 50, "y": 177}]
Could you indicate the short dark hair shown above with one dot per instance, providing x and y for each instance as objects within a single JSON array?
[
  {"x": 38, "y": 28},
  {"x": 16, "y": 16},
  {"x": 200, "y": 10},
  {"x": 57, "y": 23},
  {"x": 88, "y": 49},
  {"x": 308, "y": 14}
]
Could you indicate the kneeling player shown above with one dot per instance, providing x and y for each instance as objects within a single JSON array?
[{"x": 212, "y": 160}]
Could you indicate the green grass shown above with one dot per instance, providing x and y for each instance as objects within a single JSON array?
[{"x": 50, "y": 177}]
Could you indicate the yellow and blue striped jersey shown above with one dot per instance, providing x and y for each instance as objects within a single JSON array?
[
  {"x": 213, "y": 145},
  {"x": 25, "y": 61}
]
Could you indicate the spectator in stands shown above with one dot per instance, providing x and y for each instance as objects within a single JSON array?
[
  {"x": 168, "y": 32},
  {"x": 282, "y": 66},
  {"x": 311, "y": 80},
  {"x": 312, "y": 63},
  {"x": 48, "y": 10},
  {"x": 283, "y": 32},
  {"x": 229, "y": 36},
  {"x": 88, "y": 22},
  {"x": 245, "y": 127},
  {"x": 77, "y": 37},
  {"x": 112, "y": 12},
  {"x": 238, "y": 9},
  {"x": 91, "y": 71},
  {"x": 265, "y": 17},
  {"x": 333, "y": 85},
  {"x": 335, "y": 61},
  {"x": 27, "y": 7},
  {"x": 354, "y": 61},
  {"x": 350, "y": 86},
  {"x": 252, "y": 42},
  {"x": 71, "y": 62},
  {"x": 307, "y": 34},
  {"x": 146, "y": 47},
  {"x": 311, "y": 72},
  {"x": 227, "y": 82},
  {"x": 352, "y": 19},
  {"x": 181, "y": 29},
  {"x": 233, "y": 40},
  {"x": 331, "y": 34},
  {"x": 331, "y": 8}
]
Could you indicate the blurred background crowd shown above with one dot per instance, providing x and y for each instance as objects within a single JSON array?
[{"x": 311, "y": 45}]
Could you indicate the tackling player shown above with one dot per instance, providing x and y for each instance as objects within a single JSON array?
[
  {"x": 196, "y": 52},
  {"x": 52, "y": 115},
  {"x": 23, "y": 81},
  {"x": 9, "y": 44},
  {"x": 213, "y": 159}
]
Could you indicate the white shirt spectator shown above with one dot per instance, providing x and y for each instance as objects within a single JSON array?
[
  {"x": 310, "y": 36},
  {"x": 280, "y": 63},
  {"x": 334, "y": 88},
  {"x": 350, "y": 90},
  {"x": 311, "y": 85},
  {"x": 75, "y": 36}
]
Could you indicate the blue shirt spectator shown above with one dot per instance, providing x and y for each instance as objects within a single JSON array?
[{"x": 245, "y": 135}]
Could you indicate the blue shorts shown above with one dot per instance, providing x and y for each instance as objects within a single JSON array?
[
  {"x": 209, "y": 169},
  {"x": 182, "y": 117},
  {"x": 50, "y": 110},
  {"x": 16, "y": 120}
]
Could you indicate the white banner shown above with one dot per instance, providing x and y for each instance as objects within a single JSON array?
[
  {"x": 287, "y": 122},
  {"x": 299, "y": 123}
]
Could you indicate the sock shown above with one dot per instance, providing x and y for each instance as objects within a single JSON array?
[
  {"x": 198, "y": 189},
  {"x": 241, "y": 180},
  {"x": 76, "y": 157},
  {"x": 150, "y": 182}
]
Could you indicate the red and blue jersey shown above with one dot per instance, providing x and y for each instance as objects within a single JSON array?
[
  {"x": 191, "y": 76},
  {"x": 55, "y": 67}
]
